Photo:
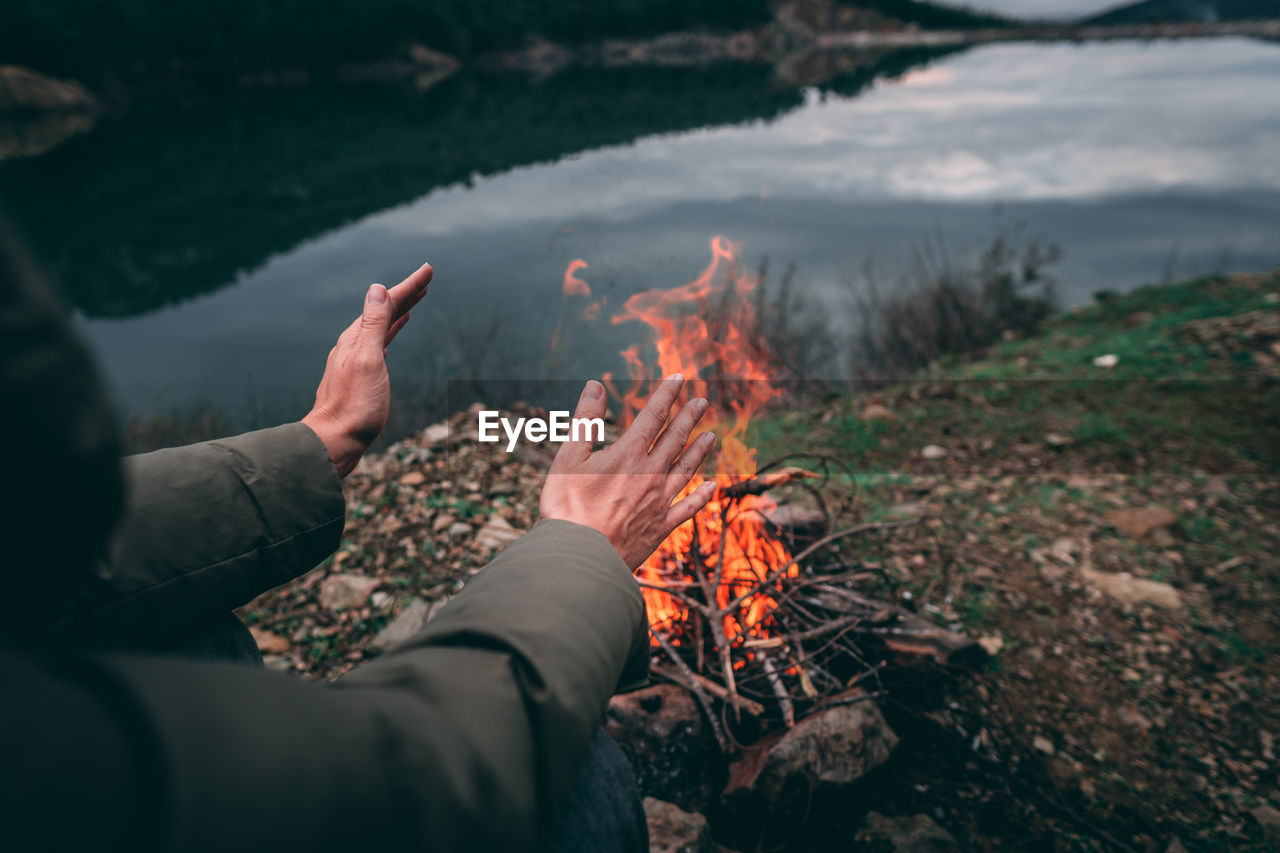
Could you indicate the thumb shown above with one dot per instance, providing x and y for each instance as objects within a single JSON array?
[
  {"x": 375, "y": 321},
  {"x": 593, "y": 403}
]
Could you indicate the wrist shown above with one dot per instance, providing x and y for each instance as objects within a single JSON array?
[{"x": 344, "y": 450}]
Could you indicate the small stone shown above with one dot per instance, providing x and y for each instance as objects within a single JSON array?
[
  {"x": 1056, "y": 439},
  {"x": 1133, "y": 718},
  {"x": 1137, "y": 522},
  {"x": 1269, "y": 819},
  {"x": 409, "y": 622},
  {"x": 413, "y": 478},
  {"x": 914, "y": 834},
  {"x": 933, "y": 451},
  {"x": 442, "y": 521},
  {"x": 1106, "y": 361},
  {"x": 991, "y": 644},
  {"x": 674, "y": 830},
  {"x": 1127, "y": 589},
  {"x": 1043, "y": 744},
  {"x": 905, "y": 510},
  {"x": 436, "y": 433},
  {"x": 1217, "y": 486},
  {"x": 338, "y": 592},
  {"x": 876, "y": 412},
  {"x": 381, "y": 600},
  {"x": 497, "y": 533},
  {"x": 269, "y": 643},
  {"x": 459, "y": 528},
  {"x": 1065, "y": 550}
]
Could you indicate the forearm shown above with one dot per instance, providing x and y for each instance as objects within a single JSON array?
[
  {"x": 210, "y": 526},
  {"x": 466, "y": 738}
]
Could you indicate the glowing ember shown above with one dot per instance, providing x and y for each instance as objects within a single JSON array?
[{"x": 708, "y": 331}]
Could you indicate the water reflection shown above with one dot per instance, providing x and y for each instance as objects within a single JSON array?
[{"x": 1138, "y": 159}]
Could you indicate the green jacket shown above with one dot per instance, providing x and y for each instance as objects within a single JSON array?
[{"x": 465, "y": 738}]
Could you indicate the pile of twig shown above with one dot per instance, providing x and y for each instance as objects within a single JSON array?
[{"x": 823, "y": 644}]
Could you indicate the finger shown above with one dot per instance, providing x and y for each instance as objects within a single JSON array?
[
  {"x": 592, "y": 403},
  {"x": 689, "y": 463},
  {"x": 375, "y": 322},
  {"x": 673, "y": 438},
  {"x": 409, "y": 292},
  {"x": 395, "y": 329},
  {"x": 688, "y": 508},
  {"x": 654, "y": 414}
]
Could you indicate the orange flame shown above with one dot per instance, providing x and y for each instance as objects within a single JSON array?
[
  {"x": 574, "y": 286},
  {"x": 707, "y": 330}
]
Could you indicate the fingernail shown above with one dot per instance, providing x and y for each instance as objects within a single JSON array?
[
  {"x": 675, "y": 377},
  {"x": 709, "y": 437},
  {"x": 377, "y": 294},
  {"x": 592, "y": 391},
  {"x": 700, "y": 404}
]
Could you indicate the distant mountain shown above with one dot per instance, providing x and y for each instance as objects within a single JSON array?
[
  {"x": 949, "y": 16},
  {"x": 1167, "y": 11}
]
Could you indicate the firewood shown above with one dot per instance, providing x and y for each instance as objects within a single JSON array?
[
  {"x": 766, "y": 481},
  {"x": 749, "y": 705}
]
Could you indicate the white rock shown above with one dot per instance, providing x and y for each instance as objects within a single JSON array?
[
  {"x": 933, "y": 451},
  {"x": 409, "y": 622},
  {"x": 1109, "y": 360},
  {"x": 436, "y": 433},
  {"x": 344, "y": 591},
  {"x": 497, "y": 533},
  {"x": 1127, "y": 589}
]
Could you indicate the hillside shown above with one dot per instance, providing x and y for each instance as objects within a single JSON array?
[
  {"x": 1168, "y": 11},
  {"x": 213, "y": 43}
]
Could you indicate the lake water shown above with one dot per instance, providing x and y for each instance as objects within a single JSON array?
[{"x": 213, "y": 252}]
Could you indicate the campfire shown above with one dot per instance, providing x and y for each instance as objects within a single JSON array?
[{"x": 752, "y": 605}]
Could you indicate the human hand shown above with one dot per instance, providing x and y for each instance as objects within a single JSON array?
[
  {"x": 354, "y": 397},
  {"x": 625, "y": 490}
]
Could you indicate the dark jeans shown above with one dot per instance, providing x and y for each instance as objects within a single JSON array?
[{"x": 602, "y": 813}]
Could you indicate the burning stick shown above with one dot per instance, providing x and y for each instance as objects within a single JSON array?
[{"x": 764, "y": 482}]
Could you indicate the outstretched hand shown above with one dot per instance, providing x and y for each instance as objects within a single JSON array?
[
  {"x": 626, "y": 490},
  {"x": 354, "y": 397}
]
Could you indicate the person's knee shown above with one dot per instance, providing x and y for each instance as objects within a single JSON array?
[{"x": 603, "y": 810}]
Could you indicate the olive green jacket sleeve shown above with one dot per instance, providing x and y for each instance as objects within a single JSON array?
[
  {"x": 466, "y": 738},
  {"x": 209, "y": 527}
]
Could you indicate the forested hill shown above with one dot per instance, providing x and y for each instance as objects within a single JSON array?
[
  {"x": 1164, "y": 11},
  {"x": 113, "y": 43}
]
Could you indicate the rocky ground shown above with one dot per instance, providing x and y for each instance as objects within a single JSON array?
[{"x": 1098, "y": 503}]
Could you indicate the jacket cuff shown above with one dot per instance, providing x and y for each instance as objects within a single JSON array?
[{"x": 635, "y": 672}]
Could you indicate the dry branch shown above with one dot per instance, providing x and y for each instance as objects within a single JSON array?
[
  {"x": 764, "y": 482},
  {"x": 749, "y": 705}
]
